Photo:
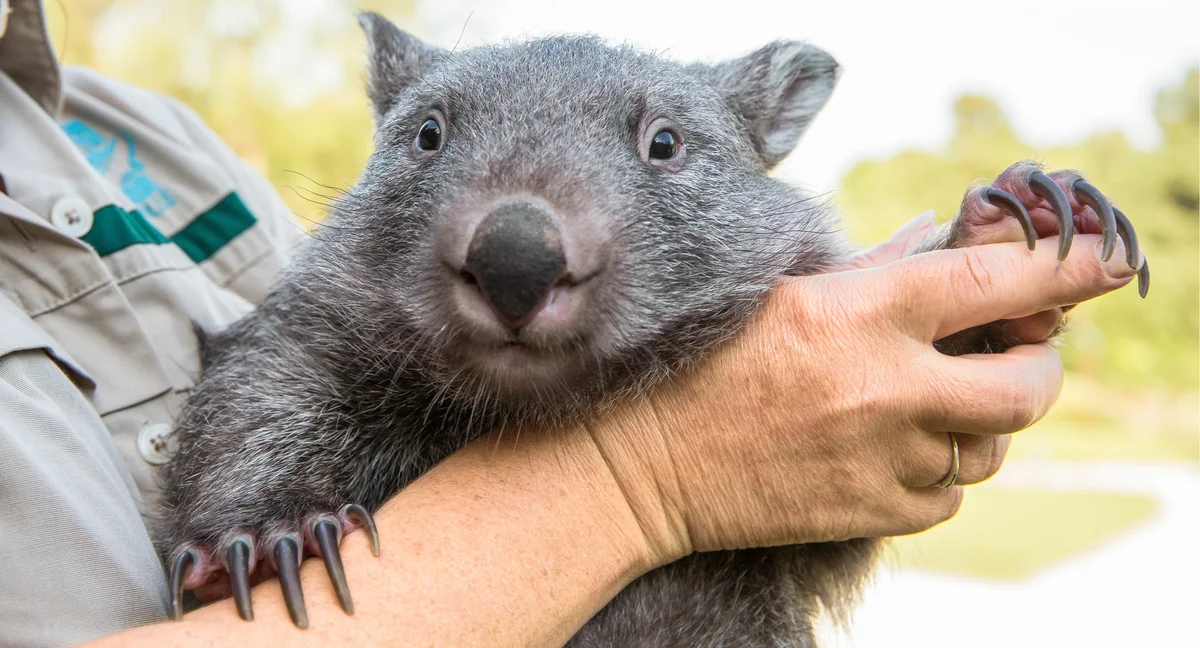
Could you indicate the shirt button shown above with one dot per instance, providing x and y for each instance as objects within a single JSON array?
[
  {"x": 72, "y": 217},
  {"x": 157, "y": 444}
]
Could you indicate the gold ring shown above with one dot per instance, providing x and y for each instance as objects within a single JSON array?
[{"x": 951, "y": 476}]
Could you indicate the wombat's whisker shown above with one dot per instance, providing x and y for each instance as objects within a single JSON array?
[{"x": 340, "y": 190}]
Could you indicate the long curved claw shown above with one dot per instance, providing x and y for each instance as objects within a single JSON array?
[
  {"x": 993, "y": 195},
  {"x": 1143, "y": 276},
  {"x": 1125, "y": 229},
  {"x": 237, "y": 563},
  {"x": 1045, "y": 188},
  {"x": 326, "y": 533},
  {"x": 1091, "y": 196},
  {"x": 359, "y": 514},
  {"x": 180, "y": 568},
  {"x": 1133, "y": 252},
  {"x": 287, "y": 563}
]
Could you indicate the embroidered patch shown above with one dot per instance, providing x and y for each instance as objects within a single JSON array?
[{"x": 150, "y": 197}]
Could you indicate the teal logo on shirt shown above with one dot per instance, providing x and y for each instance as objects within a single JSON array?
[{"x": 135, "y": 183}]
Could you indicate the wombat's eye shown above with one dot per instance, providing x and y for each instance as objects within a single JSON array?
[
  {"x": 663, "y": 146},
  {"x": 429, "y": 138}
]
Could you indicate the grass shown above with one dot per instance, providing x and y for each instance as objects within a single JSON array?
[{"x": 1012, "y": 534}]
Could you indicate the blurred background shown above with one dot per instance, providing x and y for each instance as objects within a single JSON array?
[{"x": 1088, "y": 536}]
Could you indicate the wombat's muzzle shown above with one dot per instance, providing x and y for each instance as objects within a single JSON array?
[{"x": 516, "y": 256}]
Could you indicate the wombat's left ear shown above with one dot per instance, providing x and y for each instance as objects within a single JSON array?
[
  {"x": 396, "y": 60},
  {"x": 778, "y": 90}
]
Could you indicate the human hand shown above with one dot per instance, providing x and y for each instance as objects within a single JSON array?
[{"x": 827, "y": 418}]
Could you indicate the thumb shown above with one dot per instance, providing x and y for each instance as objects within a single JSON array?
[{"x": 904, "y": 241}]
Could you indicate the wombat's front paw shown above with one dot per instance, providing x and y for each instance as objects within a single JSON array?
[
  {"x": 1024, "y": 203},
  {"x": 278, "y": 547}
]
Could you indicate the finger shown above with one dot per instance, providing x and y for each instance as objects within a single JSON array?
[
  {"x": 930, "y": 458},
  {"x": 980, "y": 456},
  {"x": 1035, "y": 328},
  {"x": 287, "y": 563},
  {"x": 997, "y": 393},
  {"x": 238, "y": 560},
  {"x": 948, "y": 291},
  {"x": 327, "y": 533},
  {"x": 919, "y": 509}
]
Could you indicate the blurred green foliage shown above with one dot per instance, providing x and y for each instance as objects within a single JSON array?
[{"x": 281, "y": 82}]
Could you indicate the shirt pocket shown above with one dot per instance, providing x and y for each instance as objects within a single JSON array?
[
  {"x": 19, "y": 333},
  {"x": 103, "y": 336}
]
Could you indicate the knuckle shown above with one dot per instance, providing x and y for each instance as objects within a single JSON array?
[
  {"x": 981, "y": 271},
  {"x": 1019, "y": 398},
  {"x": 997, "y": 450},
  {"x": 932, "y": 510},
  {"x": 914, "y": 517}
]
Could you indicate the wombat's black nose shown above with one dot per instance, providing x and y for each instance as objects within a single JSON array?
[{"x": 516, "y": 256}]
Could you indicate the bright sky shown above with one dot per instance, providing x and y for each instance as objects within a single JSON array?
[{"x": 1061, "y": 69}]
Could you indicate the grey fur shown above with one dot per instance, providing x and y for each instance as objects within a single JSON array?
[{"x": 348, "y": 382}]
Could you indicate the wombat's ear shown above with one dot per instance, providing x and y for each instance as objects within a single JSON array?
[
  {"x": 395, "y": 60},
  {"x": 778, "y": 90}
]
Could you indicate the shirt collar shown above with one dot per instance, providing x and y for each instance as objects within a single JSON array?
[{"x": 27, "y": 57}]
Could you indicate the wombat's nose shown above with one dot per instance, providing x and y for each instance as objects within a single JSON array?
[{"x": 516, "y": 256}]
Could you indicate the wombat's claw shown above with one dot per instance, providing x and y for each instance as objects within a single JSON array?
[
  {"x": 287, "y": 563},
  {"x": 1133, "y": 251},
  {"x": 193, "y": 564},
  {"x": 328, "y": 535},
  {"x": 1028, "y": 193},
  {"x": 180, "y": 568},
  {"x": 993, "y": 195},
  {"x": 1092, "y": 197},
  {"x": 1043, "y": 187},
  {"x": 357, "y": 513},
  {"x": 239, "y": 563},
  {"x": 1144, "y": 279}
]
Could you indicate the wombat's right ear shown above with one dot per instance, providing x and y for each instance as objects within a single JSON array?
[
  {"x": 777, "y": 91},
  {"x": 395, "y": 58}
]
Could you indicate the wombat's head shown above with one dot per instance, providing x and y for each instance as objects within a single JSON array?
[{"x": 555, "y": 218}]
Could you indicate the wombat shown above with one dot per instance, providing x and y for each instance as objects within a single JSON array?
[{"x": 543, "y": 229}]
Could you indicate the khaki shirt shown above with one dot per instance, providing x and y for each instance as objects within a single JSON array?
[{"x": 124, "y": 223}]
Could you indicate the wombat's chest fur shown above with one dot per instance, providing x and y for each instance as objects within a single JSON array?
[{"x": 543, "y": 229}]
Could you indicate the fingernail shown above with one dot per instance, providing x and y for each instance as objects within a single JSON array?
[{"x": 1115, "y": 267}]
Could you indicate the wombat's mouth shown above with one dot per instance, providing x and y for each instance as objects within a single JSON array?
[{"x": 522, "y": 367}]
